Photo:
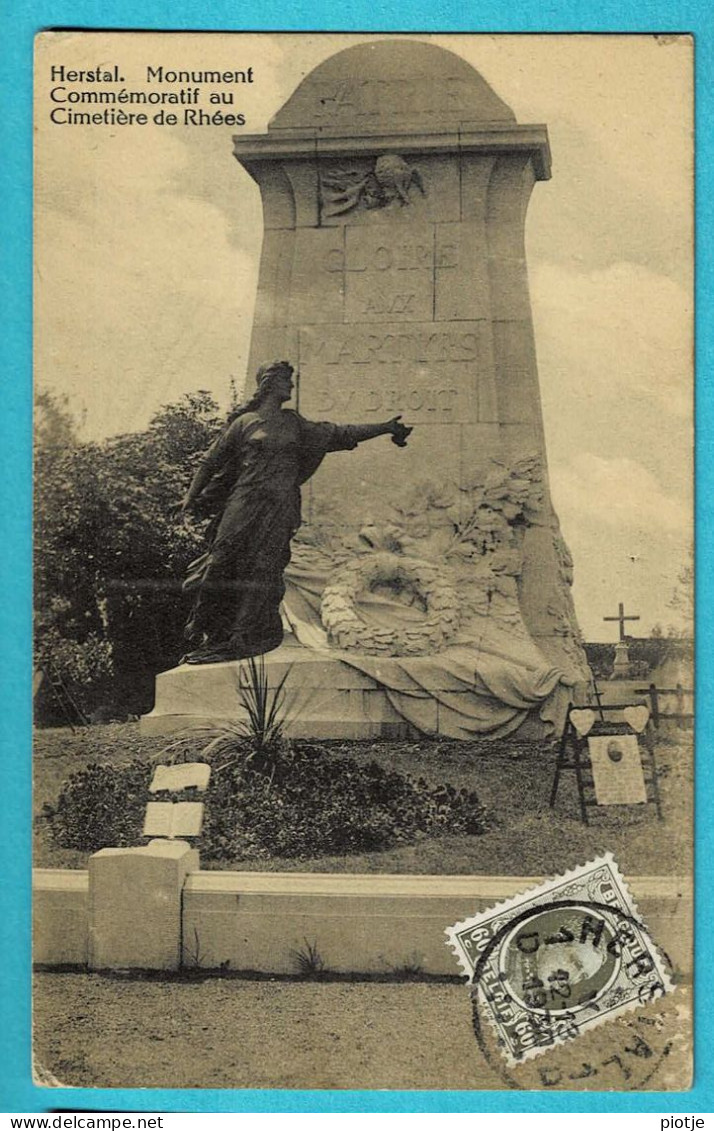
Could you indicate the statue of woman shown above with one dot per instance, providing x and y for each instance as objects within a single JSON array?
[{"x": 249, "y": 482}]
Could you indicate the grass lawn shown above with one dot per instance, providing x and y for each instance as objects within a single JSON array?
[{"x": 512, "y": 779}]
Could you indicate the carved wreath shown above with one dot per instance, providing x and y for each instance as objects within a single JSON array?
[{"x": 348, "y": 631}]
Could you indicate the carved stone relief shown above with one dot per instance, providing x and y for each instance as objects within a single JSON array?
[{"x": 345, "y": 189}]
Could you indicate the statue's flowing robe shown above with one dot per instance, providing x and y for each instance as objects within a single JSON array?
[{"x": 256, "y": 467}]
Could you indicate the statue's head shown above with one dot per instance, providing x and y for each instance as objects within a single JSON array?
[
  {"x": 275, "y": 380},
  {"x": 273, "y": 371}
]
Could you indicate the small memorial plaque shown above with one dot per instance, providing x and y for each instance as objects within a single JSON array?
[
  {"x": 187, "y": 775},
  {"x": 617, "y": 769},
  {"x": 169, "y": 819}
]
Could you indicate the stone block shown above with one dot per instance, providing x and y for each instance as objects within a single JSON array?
[
  {"x": 325, "y": 698},
  {"x": 276, "y": 266},
  {"x": 389, "y": 273},
  {"x": 376, "y": 923},
  {"x": 461, "y": 272},
  {"x": 514, "y": 344},
  {"x": 481, "y": 451},
  {"x": 367, "y": 481},
  {"x": 276, "y": 192},
  {"x": 362, "y": 373},
  {"x": 510, "y": 296},
  {"x": 520, "y": 440},
  {"x": 316, "y": 291},
  {"x": 476, "y": 170},
  {"x": 135, "y": 905},
  {"x": 441, "y": 201},
  {"x": 331, "y": 694},
  {"x": 517, "y": 394},
  {"x": 304, "y": 183},
  {"x": 270, "y": 343},
  {"x": 487, "y": 395},
  {"x": 509, "y": 190},
  {"x": 515, "y": 365}
]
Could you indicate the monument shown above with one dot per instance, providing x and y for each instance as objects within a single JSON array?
[{"x": 429, "y": 591}]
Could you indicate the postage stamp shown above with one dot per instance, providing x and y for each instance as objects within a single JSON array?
[{"x": 563, "y": 957}]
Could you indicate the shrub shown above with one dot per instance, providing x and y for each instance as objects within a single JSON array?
[
  {"x": 311, "y": 804},
  {"x": 101, "y": 806},
  {"x": 84, "y": 667}
]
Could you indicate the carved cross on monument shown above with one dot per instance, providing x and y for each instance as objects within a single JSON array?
[{"x": 621, "y": 618}]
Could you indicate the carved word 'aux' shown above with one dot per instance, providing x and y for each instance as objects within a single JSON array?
[
  {"x": 393, "y": 304},
  {"x": 391, "y": 179}
]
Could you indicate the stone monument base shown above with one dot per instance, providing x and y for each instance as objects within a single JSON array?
[
  {"x": 326, "y": 697},
  {"x": 621, "y": 668},
  {"x": 335, "y": 701}
]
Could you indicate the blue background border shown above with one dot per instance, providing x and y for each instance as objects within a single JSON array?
[{"x": 17, "y": 1093}]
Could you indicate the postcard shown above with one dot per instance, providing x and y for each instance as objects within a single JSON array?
[{"x": 363, "y": 672}]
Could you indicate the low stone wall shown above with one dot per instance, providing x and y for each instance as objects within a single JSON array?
[
  {"x": 60, "y": 917},
  {"x": 279, "y": 922}
]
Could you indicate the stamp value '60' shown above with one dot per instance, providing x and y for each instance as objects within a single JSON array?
[{"x": 559, "y": 959}]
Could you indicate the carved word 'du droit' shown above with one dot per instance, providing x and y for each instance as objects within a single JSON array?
[{"x": 442, "y": 403}]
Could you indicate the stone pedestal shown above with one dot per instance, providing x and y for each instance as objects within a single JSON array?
[
  {"x": 336, "y": 702},
  {"x": 135, "y": 905},
  {"x": 621, "y": 667},
  {"x": 324, "y": 698}
]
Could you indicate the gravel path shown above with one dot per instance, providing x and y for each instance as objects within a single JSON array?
[{"x": 94, "y": 1031}]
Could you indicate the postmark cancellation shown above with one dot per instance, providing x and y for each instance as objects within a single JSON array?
[{"x": 565, "y": 956}]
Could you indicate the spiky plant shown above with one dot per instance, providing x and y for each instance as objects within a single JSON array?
[{"x": 254, "y": 741}]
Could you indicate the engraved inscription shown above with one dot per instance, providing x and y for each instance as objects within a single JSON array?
[
  {"x": 393, "y": 305},
  {"x": 389, "y": 276},
  {"x": 407, "y": 395},
  {"x": 401, "y": 255},
  {"x": 355, "y": 100},
  {"x": 354, "y": 373},
  {"x": 423, "y": 345}
]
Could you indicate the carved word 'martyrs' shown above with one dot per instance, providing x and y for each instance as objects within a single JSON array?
[
  {"x": 390, "y": 180},
  {"x": 341, "y": 347}
]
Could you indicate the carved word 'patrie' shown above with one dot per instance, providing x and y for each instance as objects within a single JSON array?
[
  {"x": 397, "y": 257},
  {"x": 340, "y": 347},
  {"x": 403, "y": 97}
]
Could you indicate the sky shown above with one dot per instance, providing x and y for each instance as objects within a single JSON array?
[{"x": 148, "y": 244}]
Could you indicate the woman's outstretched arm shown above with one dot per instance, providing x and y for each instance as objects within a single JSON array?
[{"x": 393, "y": 427}]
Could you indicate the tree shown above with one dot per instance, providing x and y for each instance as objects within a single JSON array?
[
  {"x": 682, "y": 599},
  {"x": 110, "y": 551}
]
